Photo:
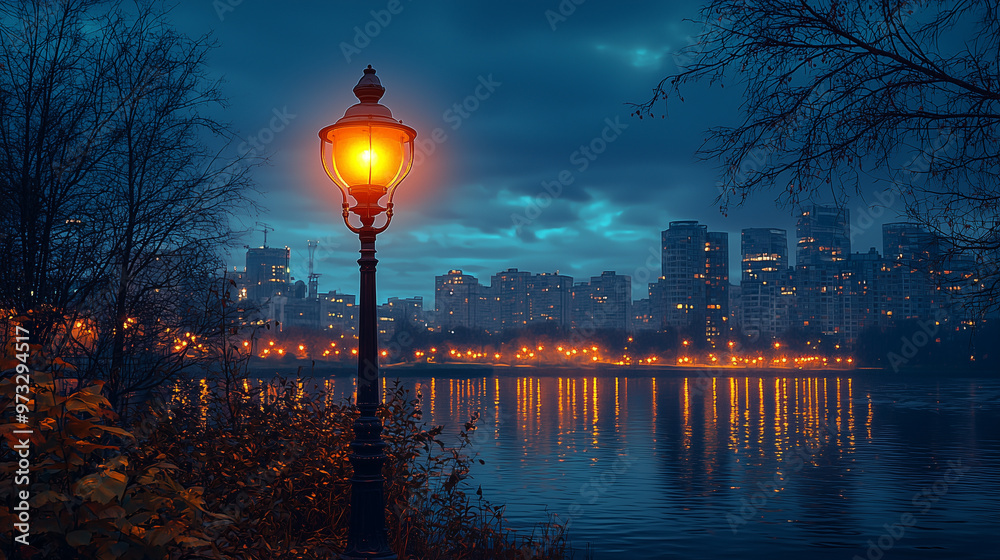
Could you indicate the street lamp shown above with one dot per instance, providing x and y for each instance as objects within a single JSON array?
[{"x": 367, "y": 153}]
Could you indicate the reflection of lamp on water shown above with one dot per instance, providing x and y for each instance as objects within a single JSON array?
[{"x": 367, "y": 153}]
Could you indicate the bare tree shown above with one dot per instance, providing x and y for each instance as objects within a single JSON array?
[
  {"x": 841, "y": 94},
  {"x": 167, "y": 198},
  {"x": 52, "y": 106},
  {"x": 146, "y": 178}
]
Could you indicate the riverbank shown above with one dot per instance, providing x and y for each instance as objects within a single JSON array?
[
  {"x": 452, "y": 369},
  {"x": 468, "y": 370}
]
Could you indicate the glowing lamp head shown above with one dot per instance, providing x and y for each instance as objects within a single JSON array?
[{"x": 367, "y": 154}]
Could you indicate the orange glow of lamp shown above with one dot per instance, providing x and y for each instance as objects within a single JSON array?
[{"x": 367, "y": 154}]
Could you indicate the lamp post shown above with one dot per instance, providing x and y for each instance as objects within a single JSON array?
[{"x": 367, "y": 153}]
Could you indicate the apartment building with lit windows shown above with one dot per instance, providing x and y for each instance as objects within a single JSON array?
[{"x": 694, "y": 284}]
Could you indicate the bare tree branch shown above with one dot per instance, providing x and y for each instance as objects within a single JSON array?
[{"x": 836, "y": 92}]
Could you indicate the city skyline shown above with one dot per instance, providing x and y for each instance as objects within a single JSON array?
[
  {"x": 828, "y": 289},
  {"x": 590, "y": 188},
  {"x": 298, "y": 260}
]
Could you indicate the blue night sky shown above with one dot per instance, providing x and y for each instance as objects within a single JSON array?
[{"x": 550, "y": 92}]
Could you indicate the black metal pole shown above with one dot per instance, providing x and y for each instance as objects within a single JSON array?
[{"x": 367, "y": 538}]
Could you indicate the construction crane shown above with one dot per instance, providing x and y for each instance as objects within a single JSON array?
[
  {"x": 313, "y": 277},
  {"x": 265, "y": 228}
]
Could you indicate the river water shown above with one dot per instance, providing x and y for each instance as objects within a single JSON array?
[{"x": 736, "y": 467}]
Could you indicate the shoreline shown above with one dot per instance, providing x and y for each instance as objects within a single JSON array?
[{"x": 467, "y": 370}]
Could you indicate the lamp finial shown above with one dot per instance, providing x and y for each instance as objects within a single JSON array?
[{"x": 369, "y": 88}]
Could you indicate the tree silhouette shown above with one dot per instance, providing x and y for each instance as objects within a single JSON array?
[
  {"x": 117, "y": 186},
  {"x": 837, "y": 93}
]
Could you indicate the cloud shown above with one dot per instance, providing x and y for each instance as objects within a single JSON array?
[{"x": 557, "y": 92}]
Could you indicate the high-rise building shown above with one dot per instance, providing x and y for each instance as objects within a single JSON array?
[
  {"x": 513, "y": 300},
  {"x": 716, "y": 285},
  {"x": 267, "y": 272},
  {"x": 758, "y": 309},
  {"x": 603, "y": 303},
  {"x": 642, "y": 316},
  {"x": 456, "y": 300},
  {"x": 582, "y": 315},
  {"x": 300, "y": 312},
  {"x": 487, "y": 309},
  {"x": 765, "y": 304},
  {"x": 695, "y": 279},
  {"x": 337, "y": 312},
  {"x": 764, "y": 254},
  {"x": 297, "y": 290},
  {"x": 235, "y": 284},
  {"x": 960, "y": 288},
  {"x": 861, "y": 295},
  {"x": 400, "y": 315},
  {"x": 410, "y": 310},
  {"x": 824, "y": 243},
  {"x": 550, "y": 299},
  {"x": 736, "y": 307},
  {"x": 517, "y": 298},
  {"x": 510, "y": 288},
  {"x": 913, "y": 286},
  {"x": 611, "y": 295},
  {"x": 658, "y": 304},
  {"x": 824, "y": 235},
  {"x": 909, "y": 244}
]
